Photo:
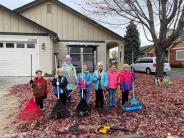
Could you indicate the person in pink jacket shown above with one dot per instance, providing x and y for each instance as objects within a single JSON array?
[
  {"x": 126, "y": 78},
  {"x": 113, "y": 77}
]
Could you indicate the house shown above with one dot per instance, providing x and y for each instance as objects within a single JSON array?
[
  {"x": 45, "y": 28},
  {"x": 147, "y": 51},
  {"x": 176, "y": 52}
]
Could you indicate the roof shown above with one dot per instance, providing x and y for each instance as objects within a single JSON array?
[
  {"x": 37, "y": 2},
  {"x": 30, "y": 21},
  {"x": 143, "y": 48}
]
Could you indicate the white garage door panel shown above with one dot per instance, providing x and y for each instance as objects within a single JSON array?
[{"x": 17, "y": 62}]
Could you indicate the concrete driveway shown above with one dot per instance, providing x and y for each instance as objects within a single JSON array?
[
  {"x": 176, "y": 75},
  {"x": 8, "y": 104}
]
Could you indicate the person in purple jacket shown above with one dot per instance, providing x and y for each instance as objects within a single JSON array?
[{"x": 84, "y": 82}]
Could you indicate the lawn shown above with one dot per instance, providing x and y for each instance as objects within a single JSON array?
[
  {"x": 177, "y": 69},
  {"x": 163, "y": 113}
]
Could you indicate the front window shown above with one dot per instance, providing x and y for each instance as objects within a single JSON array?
[{"x": 180, "y": 55}]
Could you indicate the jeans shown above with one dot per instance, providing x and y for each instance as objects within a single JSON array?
[
  {"x": 85, "y": 95},
  {"x": 112, "y": 97}
]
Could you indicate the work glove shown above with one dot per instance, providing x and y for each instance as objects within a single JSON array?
[{"x": 82, "y": 84}]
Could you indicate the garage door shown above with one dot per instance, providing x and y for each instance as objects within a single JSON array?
[{"x": 15, "y": 58}]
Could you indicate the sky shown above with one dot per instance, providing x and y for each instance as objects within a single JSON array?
[{"x": 121, "y": 30}]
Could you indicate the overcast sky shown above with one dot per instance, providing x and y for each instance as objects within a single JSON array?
[{"x": 12, "y": 4}]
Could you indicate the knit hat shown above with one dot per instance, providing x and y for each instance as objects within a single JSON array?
[
  {"x": 100, "y": 63},
  {"x": 68, "y": 58}
]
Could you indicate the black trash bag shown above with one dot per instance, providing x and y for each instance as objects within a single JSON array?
[
  {"x": 82, "y": 108},
  {"x": 60, "y": 111}
]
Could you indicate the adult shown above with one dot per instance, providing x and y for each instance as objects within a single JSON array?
[{"x": 69, "y": 72}]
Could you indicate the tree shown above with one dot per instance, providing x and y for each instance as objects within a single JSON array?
[
  {"x": 132, "y": 43},
  {"x": 155, "y": 17}
]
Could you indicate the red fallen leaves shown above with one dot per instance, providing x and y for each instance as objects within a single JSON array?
[{"x": 163, "y": 113}]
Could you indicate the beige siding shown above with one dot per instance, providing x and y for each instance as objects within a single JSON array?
[
  {"x": 9, "y": 22},
  {"x": 179, "y": 45},
  {"x": 68, "y": 25},
  {"x": 45, "y": 56}
]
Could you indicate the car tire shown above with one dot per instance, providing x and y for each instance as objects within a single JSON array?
[{"x": 148, "y": 71}]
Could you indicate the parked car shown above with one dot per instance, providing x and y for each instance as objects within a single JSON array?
[{"x": 148, "y": 65}]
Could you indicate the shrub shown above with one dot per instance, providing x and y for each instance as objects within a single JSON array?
[{"x": 176, "y": 64}]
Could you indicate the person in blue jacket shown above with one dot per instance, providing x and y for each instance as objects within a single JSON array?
[
  {"x": 60, "y": 83},
  {"x": 84, "y": 83},
  {"x": 100, "y": 81}
]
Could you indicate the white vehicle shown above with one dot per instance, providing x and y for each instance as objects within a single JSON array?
[{"x": 148, "y": 65}]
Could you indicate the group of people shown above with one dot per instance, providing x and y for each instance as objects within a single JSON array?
[{"x": 66, "y": 80}]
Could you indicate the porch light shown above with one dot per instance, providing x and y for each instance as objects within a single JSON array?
[{"x": 43, "y": 46}]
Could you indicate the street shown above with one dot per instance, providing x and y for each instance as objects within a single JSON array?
[{"x": 176, "y": 75}]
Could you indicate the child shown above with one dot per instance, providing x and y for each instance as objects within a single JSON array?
[
  {"x": 40, "y": 90},
  {"x": 84, "y": 82},
  {"x": 113, "y": 77},
  {"x": 126, "y": 79},
  {"x": 100, "y": 81},
  {"x": 60, "y": 82},
  {"x": 69, "y": 71}
]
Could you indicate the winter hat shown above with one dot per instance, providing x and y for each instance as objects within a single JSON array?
[
  {"x": 100, "y": 63},
  {"x": 68, "y": 58}
]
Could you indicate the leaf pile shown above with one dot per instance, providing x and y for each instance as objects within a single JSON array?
[{"x": 163, "y": 113}]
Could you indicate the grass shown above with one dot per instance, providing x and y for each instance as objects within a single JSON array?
[{"x": 177, "y": 69}]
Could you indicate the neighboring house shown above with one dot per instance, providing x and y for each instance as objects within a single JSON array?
[
  {"x": 147, "y": 51},
  {"x": 176, "y": 52},
  {"x": 45, "y": 27}
]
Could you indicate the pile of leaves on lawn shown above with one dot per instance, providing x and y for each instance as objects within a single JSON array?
[{"x": 163, "y": 113}]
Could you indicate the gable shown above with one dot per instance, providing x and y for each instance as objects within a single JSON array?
[
  {"x": 11, "y": 22},
  {"x": 67, "y": 22},
  {"x": 179, "y": 45}
]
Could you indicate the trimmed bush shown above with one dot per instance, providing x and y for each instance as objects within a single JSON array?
[{"x": 176, "y": 64}]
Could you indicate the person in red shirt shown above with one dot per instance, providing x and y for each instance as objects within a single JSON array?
[{"x": 40, "y": 89}]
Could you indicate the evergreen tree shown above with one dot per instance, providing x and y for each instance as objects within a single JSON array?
[{"x": 132, "y": 43}]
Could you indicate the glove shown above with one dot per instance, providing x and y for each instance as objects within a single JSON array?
[
  {"x": 31, "y": 82},
  {"x": 82, "y": 84}
]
